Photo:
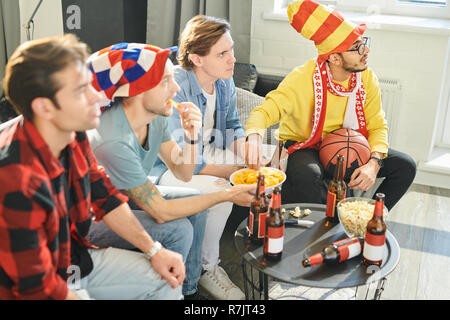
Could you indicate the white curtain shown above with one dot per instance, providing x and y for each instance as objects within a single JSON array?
[
  {"x": 167, "y": 18},
  {"x": 9, "y": 31}
]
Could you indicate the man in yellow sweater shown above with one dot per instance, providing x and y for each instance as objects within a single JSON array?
[{"x": 333, "y": 91}]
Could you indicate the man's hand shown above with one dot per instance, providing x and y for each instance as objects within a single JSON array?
[
  {"x": 169, "y": 266},
  {"x": 240, "y": 194},
  {"x": 191, "y": 119},
  {"x": 364, "y": 177},
  {"x": 253, "y": 151}
]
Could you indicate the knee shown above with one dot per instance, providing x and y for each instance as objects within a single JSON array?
[
  {"x": 305, "y": 173},
  {"x": 222, "y": 209},
  {"x": 182, "y": 235},
  {"x": 412, "y": 165},
  {"x": 185, "y": 229},
  {"x": 173, "y": 294},
  {"x": 199, "y": 219},
  {"x": 164, "y": 292},
  {"x": 408, "y": 166}
]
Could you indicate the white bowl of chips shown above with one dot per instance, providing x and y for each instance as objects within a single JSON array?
[
  {"x": 272, "y": 177},
  {"x": 354, "y": 213}
]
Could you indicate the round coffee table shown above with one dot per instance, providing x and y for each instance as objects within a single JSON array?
[{"x": 300, "y": 243}]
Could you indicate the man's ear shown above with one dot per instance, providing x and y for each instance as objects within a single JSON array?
[
  {"x": 43, "y": 107},
  {"x": 196, "y": 59},
  {"x": 335, "y": 59}
]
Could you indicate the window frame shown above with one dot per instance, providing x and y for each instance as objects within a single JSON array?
[
  {"x": 388, "y": 7},
  {"x": 444, "y": 140},
  {"x": 443, "y": 125}
]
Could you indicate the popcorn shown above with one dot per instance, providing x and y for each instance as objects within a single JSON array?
[
  {"x": 354, "y": 216},
  {"x": 296, "y": 213}
]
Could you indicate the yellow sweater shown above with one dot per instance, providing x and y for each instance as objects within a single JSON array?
[{"x": 292, "y": 105}]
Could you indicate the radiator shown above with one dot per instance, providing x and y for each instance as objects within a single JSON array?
[{"x": 390, "y": 100}]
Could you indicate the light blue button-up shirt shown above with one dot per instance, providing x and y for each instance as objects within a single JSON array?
[{"x": 227, "y": 125}]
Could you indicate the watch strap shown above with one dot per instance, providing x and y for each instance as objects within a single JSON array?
[
  {"x": 379, "y": 160},
  {"x": 154, "y": 250}
]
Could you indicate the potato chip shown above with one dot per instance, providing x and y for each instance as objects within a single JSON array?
[{"x": 272, "y": 176}]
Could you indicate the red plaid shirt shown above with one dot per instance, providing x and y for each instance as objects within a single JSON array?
[{"x": 36, "y": 225}]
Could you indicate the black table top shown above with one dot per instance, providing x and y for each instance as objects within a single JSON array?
[{"x": 300, "y": 243}]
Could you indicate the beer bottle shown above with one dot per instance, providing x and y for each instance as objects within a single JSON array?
[
  {"x": 258, "y": 211},
  {"x": 336, "y": 190},
  {"x": 375, "y": 235},
  {"x": 273, "y": 239},
  {"x": 336, "y": 252}
]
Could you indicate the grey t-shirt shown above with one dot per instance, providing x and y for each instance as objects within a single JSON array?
[{"x": 117, "y": 149}]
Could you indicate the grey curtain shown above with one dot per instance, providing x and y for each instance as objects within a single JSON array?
[
  {"x": 167, "y": 18},
  {"x": 9, "y": 31}
]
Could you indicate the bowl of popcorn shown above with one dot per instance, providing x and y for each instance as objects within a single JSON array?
[{"x": 354, "y": 213}]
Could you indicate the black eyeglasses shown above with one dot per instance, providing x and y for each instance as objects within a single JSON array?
[{"x": 361, "y": 48}]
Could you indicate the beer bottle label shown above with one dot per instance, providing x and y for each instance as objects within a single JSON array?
[
  {"x": 350, "y": 250},
  {"x": 251, "y": 219},
  {"x": 331, "y": 204},
  {"x": 275, "y": 238},
  {"x": 374, "y": 247},
  {"x": 262, "y": 225},
  {"x": 316, "y": 259}
]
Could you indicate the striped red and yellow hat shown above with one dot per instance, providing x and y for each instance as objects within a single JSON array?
[{"x": 328, "y": 29}]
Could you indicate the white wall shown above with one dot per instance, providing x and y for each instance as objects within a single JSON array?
[
  {"x": 414, "y": 57},
  {"x": 47, "y": 21}
]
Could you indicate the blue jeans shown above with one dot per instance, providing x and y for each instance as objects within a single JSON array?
[
  {"x": 121, "y": 275},
  {"x": 184, "y": 235}
]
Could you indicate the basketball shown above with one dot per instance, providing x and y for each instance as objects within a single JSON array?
[{"x": 348, "y": 143}]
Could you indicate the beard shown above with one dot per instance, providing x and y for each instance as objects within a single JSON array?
[
  {"x": 354, "y": 67},
  {"x": 159, "y": 111}
]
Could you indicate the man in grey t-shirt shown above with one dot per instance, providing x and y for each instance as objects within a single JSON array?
[{"x": 132, "y": 132}]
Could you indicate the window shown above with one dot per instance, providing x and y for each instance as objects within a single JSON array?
[
  {"x": 445, "y": 141},
  {"x": 432, "y": 2},
  {"x": 443, "y": 132},
  {"x": 421, "y": 8}
]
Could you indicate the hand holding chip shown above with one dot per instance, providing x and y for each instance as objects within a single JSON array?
[{"x": 190, "y": 117}]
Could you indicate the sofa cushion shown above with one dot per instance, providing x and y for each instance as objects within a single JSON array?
[
  {"x": 266, "y": 83},
  {"x": 245, "y": 76},
  {"x": 246, "y": 102}
]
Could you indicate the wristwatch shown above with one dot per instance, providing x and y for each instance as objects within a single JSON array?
[
  {"x": 379, "y": 160},
  {"x": 156, "y": 247}
]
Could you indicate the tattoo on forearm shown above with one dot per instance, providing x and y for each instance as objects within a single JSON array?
[{"x": 145, "y": 195}]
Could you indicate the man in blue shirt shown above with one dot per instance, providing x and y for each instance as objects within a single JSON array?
[
  {"x": 132, "y": 132},
  {"x": 205, "y": 74}
]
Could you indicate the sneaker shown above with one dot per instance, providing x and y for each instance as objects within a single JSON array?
[
  {"x": 195, "y": 296},
  {"x": 219, "y": 286}
]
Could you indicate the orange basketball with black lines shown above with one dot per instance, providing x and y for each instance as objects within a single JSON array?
[{"x": 346, "y": 142}]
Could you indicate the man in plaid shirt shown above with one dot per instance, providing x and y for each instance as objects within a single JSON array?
[{"x": 50, "y": 182}]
